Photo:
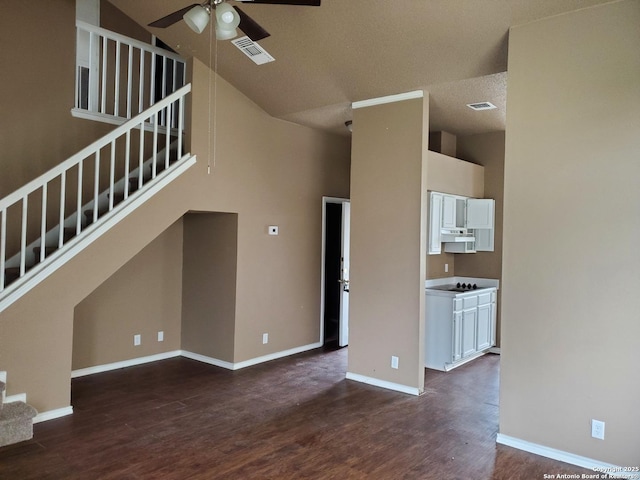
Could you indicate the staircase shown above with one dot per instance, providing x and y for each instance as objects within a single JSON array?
[
  {"x": 56, "y": 216},
  {"x": 86, "y": 195},
  {"x": 16, "y": 418}
]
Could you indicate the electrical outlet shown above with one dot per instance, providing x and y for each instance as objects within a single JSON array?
[
  {"x": 446, "y": 268},
  {"x": 394, "y": 362},
  {"x": 161, "y": 336},
  {"x": 137, "y": 340},
  {"x": 597, "y": 429},
  {"x": 273, "y": 230},
  {"x": 265, "y": 338}
]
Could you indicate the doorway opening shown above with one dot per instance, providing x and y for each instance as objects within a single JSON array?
[{"x": 334, "y": 321}]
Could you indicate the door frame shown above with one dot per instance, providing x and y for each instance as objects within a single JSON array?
[{"x": 325, "y": 201}]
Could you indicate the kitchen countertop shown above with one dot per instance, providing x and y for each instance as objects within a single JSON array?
[{"x": 441, "y": 286}]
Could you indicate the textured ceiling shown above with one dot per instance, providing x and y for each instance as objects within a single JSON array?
[{"x": 349, "y": 50}]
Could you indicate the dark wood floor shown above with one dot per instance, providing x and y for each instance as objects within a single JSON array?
[{"x": 293, "y": 418}]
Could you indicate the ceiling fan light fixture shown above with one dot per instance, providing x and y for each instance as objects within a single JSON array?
[
  {"x": 197, "y": 18},
  {"x": 227, "y": 20}
]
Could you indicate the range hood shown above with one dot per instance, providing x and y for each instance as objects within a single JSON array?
[{"x": 457, "y": 235}]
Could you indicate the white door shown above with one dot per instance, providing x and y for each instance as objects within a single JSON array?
[{"x": 343, "y": 336}]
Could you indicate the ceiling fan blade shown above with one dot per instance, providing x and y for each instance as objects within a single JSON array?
[
  {"x": 250, "y": 27},
  {"x": 172, "y": 18},
  {"x": 308, "y": 3}
]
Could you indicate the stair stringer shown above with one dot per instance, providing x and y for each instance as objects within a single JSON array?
[
  {"x": 41, "y": 320},
  {"x": 41, "y": 271}
]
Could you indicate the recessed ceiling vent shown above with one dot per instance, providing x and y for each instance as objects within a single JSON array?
[
  {"x": 252, "y": 50},
  {"x": 481, "y": 106}
]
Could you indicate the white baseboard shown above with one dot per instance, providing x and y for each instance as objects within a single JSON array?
[
  {"x": 126, "y": 363},
  {"x": 383, "y": 383},
  {"x": 19, "y": 397},
  {"x": 612, "y": 471},
  {"x": 209, "y": 360},
  {"x": 52, "y": 414},
  {"x": 276, "y": 355},
  {"x": 251, "y": 361},
  {"x": 61, "y": 412},
  {"x": 495, "y": 350}
]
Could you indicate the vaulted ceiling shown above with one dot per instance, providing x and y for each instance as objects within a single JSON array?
[{"x": 348, "y": 50}]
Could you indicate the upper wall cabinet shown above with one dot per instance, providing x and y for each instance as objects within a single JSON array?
[
  {"x": 464, "y": 224},
  {"x": 479, "y": 213},
  {"x": 435, "y": 219}
]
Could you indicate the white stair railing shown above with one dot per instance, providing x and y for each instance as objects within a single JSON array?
[
  {"x": 55, "y": 201},
  {"x": 118, "y": 76}
]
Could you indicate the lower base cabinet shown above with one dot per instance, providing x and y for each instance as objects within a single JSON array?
[{"x": 458, "y": 327}]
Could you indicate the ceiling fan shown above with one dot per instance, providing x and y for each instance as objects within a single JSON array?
[{"x": 227, "y": 17}]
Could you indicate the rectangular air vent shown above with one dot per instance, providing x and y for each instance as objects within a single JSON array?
[
  {"x": 481, "y": 106},
  {"x": 252, "y": 50}
]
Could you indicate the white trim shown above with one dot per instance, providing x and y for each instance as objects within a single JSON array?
[
  {"x": 43, "y": 270},
  {"x": 275, "y": 356},
  {"x": 388, "y": 99},
  {"x": 252, "y": 361},
  {"x": 325, "y": 201},
  {"x": 116, "y": 37},
  {"x": 613, "y": 471},
  {"x": 124, "y": 364},
  {"x": 383, "y": 384},
  {"x": 210, "y": 360},
  {"x": 53, "y": 414},
  {"x": 495, "y": 350},
  {"x": 18, "y": 397}
]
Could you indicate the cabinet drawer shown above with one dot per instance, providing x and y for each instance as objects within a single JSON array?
[
  {"x": 470, "y": 302},
  {"x": 484, "y": 298},
  {"x": 457, "y": 304}
]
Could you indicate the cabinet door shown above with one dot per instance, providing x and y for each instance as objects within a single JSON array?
[
  {"x": 480, "y": 213},
  {"x": 484, "y": 239},
  {"x": 448, "y": 211},
  {"x": 457, "y": 337},
  {"x": 469, "y": 320},
  {"x": 484, "y": 327},
  {"x": 435, "y": 218},
  {"x": 494, "y": 313}
]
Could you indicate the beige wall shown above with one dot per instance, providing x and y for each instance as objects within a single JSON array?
[
  {"x": 570, "y": 267},
  {"x": 209, "y": 285},
  {"x": 486, "y": 149},
  {"x": 455, "y": 176},
  {"x": 265, "y": 170},
  {"x": 388, "y": 241},
  {"x": 269, "y": 172},
  {"x": 37, "y": 94},
  {"x": 143, "y": 297},
  {"x": 451, "y": 175}
]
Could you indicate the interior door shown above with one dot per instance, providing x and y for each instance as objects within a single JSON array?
[{"x": 343, "y": 336}]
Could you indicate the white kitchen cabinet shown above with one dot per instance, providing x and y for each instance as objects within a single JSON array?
[
  {"x": 449, "y": 212},
  {"x": 458, "y": 327},
  {"x": 457, "y": 216},
  {"x": 468, "y": 340},
  {"x": 456, "y": 353},
  {"x": 485, "y": 332},
  {"x": 435, "y": 219},
  {"x": 479, "y": 213}
]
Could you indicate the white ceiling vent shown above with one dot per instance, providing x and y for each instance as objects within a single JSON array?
[
  {"x": 481, "y": 106},
  {"x": 252, "y": 50}
]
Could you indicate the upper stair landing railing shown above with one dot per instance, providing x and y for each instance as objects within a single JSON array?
[
  {"x": 55, "y": 216},
  {"x": 118, "y": 76}
]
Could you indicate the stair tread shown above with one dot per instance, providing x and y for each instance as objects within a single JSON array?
[{"x": 13, "y": 411}]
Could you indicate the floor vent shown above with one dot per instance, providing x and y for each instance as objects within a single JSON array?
[
  {"x": 481, "y": 106},
  {"x": 252, "y": 50}
]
